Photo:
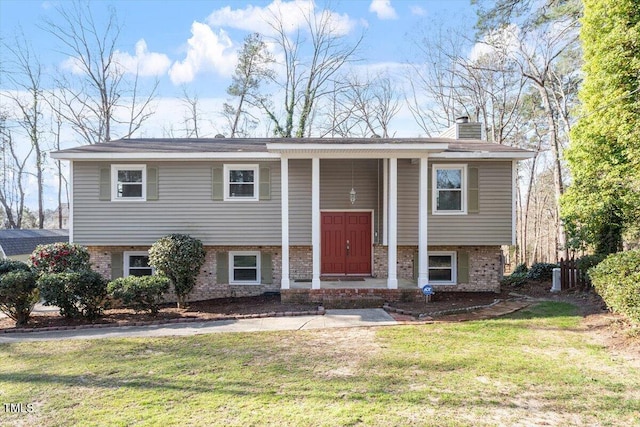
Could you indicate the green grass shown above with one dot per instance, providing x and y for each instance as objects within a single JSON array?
[{"x": 533, "y": 368}]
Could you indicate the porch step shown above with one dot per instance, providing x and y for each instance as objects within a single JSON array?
[{"x": 349, "y": 298}]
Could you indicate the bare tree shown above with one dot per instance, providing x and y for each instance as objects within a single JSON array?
[
  {"x": 13, "y": 169},
  {"x": 365, "y": 107},
  {"x": 253, "y": 68},
  {"x": 91, "y": 96},
  {"x": 192, "y": 120},
  {"x": 307, "y": 80},
  {"x": 28, "y": 100}
]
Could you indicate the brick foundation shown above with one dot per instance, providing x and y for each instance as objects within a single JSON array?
[{"x": 485, "y": 272}]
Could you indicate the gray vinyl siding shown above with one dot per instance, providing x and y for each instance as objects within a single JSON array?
[
  {"x": 300, "y": 202},
  {"x": 490, "y": 226},
  {"x": 335, "y": 185},
  {"x": 336, "y": 181},
  {"x": 184, "y": 205}
]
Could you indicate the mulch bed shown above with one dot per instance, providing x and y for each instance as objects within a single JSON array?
[
  {"x": 222, "y": 308},
  {"x": 270, "y": 305}
]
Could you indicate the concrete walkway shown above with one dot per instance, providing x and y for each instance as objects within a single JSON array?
[{"x": 331, "y": 319}]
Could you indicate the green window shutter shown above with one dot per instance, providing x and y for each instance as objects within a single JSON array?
[
  {"x": 152, "y": 183},
  {"x": 117, "y": 265},
  {"x": 222, "y": 268},
  {"x": 429, "y": 190},
  {"x": 472, "y": 191},
  {"x": 266, "y": 268},
  {"x": 416, "y": 265},
  {"x": 217, "y": 183},
  {"x": 463, "y": 267},
  {"x": 265, "y": 184},
  {"x": 105, "y": 184}
]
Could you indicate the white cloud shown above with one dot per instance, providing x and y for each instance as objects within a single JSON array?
[
  {"x": 293, "y": 14},
  {"x": 207, "y": 51},
  {"x": 498, "y": 42},
  {"x": 383, "y": 9},
  {"x": 417, "y": 10},
  {"x": 144, "y": 62}
]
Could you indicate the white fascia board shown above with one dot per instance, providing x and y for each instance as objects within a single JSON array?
[
  {"x": 479, "y": 155},
  {"x": 166, "y": 156},
  {"x": 356, "y": 150}
]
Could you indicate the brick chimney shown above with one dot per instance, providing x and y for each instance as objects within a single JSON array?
[{"x": 463, "y": 129}]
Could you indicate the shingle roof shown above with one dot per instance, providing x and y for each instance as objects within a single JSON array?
[
  {"x": 259, "y": 145},
  {"x": 21, "y": 242}
]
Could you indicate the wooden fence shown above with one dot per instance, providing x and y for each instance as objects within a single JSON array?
[{"x": 571, "y": 276}]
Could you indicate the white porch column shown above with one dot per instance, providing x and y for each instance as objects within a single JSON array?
[
  {"x": 315, "y": 221},
  {"x": 392, "y": 248},
  {"x": 423, "y": 235},
  {"x": 385, "y": 201},
  {"x": 284, "y": 191}
]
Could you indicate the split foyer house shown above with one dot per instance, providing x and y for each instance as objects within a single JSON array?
[{"x": 310, "y": 218}]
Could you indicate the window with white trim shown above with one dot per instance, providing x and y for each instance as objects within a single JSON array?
[
  {"x": 128, "y": 182},
  {"x": 241, "y": 182},
  {"x": 244, "y": 268},
  {"x": 442, "y": 268},
  {"x": 137, "y": 264},
  {"x": 449, "y": 189}
]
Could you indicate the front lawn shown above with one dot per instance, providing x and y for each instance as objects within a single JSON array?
[{"x": 534, "y": 368}]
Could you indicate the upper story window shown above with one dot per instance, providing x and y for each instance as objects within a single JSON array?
[
  {"x": 128, "y": 182},
  {"x": 137, "y": 264},
  {"x": 449, "y": 189},
  {"x": 241, "y": 182}
]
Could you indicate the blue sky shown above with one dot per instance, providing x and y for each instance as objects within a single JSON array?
[
  {"x": 162, "y": 34},
  {"x": 192, "y": 46}
]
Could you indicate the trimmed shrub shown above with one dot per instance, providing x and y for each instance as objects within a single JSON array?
[
  {"x": 78, "y": 294},
  {"x": 541, "y": 271},
  {"x": 18, "y": 294},
  {"x": 617, "y": 281},
  {"x": 143, "y": 293},
  {"x": 585, "y": 263},
  {"x": 8, "y": 265},
  {"x": 178, "y": 257},
  {"x": 59, "y": 258},
  {"x": 515, "y": 279},
  {"x": 520, "y": 269}
]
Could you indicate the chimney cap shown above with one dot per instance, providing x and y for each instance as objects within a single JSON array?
[{"x": 462, "y": 119}]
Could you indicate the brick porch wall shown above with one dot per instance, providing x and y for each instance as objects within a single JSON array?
[{"x": 485, "y": 263}]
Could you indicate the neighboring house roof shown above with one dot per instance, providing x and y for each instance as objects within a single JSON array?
[
  {"x": 207, "y": 148},
  {"x": 21, "y": 242}
]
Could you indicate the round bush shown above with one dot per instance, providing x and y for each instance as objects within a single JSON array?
[
  {"x": 77, "y": 294},
  {"x": 8, "y": 265},
  {"x": 18, "y": 295},
  {"x": 515, "y": 279},
  {"x": 140, "y": 293},
  {"x": 59, "y": 258},
  {"x": 178, "y": 257},
  {"x": 520, "y": 269},
  {"x": 617, "y": 281},
  {"x": 541, "y": 271}
]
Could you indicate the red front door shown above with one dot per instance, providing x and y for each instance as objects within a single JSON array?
[{"x": 346, "y": 243}]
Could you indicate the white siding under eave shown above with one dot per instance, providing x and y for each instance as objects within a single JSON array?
[{"x": 184, "y": 206}]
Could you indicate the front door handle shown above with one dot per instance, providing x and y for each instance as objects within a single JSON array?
[{"x": 348, "y": 247}]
